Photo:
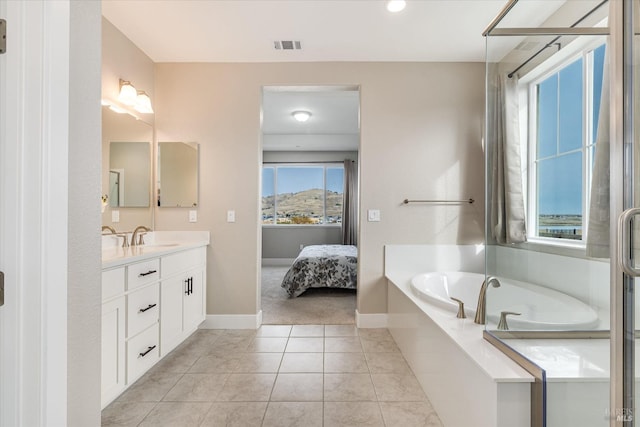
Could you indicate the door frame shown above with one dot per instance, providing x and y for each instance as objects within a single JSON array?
[{"x": 34, "y": 140}]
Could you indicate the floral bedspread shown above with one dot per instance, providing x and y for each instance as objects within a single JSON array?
[{"x": 318, "y": 266}]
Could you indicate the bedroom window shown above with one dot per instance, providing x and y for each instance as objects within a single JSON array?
[
  {"x": 303, "y": 194},
  {"x": 564, "y": 108}
]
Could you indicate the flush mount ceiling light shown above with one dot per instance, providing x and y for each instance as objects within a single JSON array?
[
  {"x": 396, "y": 5},
  {"x": 128, "y": 93},
  {"x": 301, "y": 116}
]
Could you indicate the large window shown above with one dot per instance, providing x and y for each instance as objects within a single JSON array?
[
  {"x": 302, "y": 194},
  {"x": 563, "y": 128}
]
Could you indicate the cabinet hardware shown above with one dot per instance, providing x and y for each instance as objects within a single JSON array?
[
  {"x": 1, "y": 288},
  {"x": 147, "y": 273},
  {"x": 3, "y": 36},
  {"x": 146, "y": 352},
  {"x": 190, "y": 285},
  {"x": 149, "y": 307}
]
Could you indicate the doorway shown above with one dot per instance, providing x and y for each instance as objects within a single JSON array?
[{"x": 308, "y": 133}]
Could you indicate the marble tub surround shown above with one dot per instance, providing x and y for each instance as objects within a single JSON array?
[
  {"x": 468, "y": 380},
  {"x": 157, "y": 243},
  {"x": 278, "y": 375}
]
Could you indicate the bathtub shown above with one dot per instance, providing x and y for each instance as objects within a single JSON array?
[{"x": 541, "y": 308}]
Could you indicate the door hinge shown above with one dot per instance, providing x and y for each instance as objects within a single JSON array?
[
  {"x": 1, "y": 288},
  {"x": 3, "y": 36}
]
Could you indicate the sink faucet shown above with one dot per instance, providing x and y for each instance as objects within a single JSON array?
[
  {"x": 135, "y": 234},
  {"x": 109, "y": 228},
  {"x": 481, "y": 310}
]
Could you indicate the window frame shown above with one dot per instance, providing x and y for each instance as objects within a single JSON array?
[
  {"x": 527, "y": 87},
  {"x": 324, "y": 166}
]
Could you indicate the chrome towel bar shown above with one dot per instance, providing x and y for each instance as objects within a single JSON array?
[{"x": 407, "y": 201}]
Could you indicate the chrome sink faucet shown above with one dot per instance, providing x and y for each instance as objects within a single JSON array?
[
  {"x": 138, "y": 229},
  {"x": 481, "y": 310}
]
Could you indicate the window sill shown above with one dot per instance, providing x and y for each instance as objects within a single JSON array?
[{"x": 556, "y": 247}]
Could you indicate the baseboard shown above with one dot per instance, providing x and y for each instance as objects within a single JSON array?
[
  {"x": 277, "y": 262},
  {"x": 232, "y": 321},
  {"x": 375, "y": 320}
]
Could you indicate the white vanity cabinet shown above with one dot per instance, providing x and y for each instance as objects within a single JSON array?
[
  {"x": 182, "y": 296},
  {"x": 149, "y": 306}
]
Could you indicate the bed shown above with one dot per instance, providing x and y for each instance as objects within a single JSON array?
[{"x": 319, "y": 266}]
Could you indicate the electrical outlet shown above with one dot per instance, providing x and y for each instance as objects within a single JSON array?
[
  {"x": 115, "y": 216},
  {"x": 373, "y": 215},
  {"x": 301, "y": 246},
  {"x": 193, "y": 216},
  {"x": 231, "y": 216}
]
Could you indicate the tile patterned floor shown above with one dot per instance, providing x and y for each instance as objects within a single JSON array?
[{"x": 279, "y": 375}]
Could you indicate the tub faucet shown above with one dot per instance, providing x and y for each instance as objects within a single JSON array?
[
  {"x": 135, "y": 234},
  {"x": 481, "y": 310}
]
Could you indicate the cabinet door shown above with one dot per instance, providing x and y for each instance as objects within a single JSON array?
[
  {"x": 171, "y": 293},
  {"x": 193, "y": 301},
  {"x": 113, "y": 349}
]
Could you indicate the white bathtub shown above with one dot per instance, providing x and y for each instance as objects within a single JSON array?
[{"x": 541, "y": 308}]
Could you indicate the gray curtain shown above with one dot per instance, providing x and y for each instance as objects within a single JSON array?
[
  {"x": 508, "y": 224},
  {"x": 350, "y": 204},
  {"x": 598, "y": 226}
]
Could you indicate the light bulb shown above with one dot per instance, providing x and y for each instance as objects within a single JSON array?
[
  {"x": 301, "y": 116},
  {"x": 396, "y": 5}
]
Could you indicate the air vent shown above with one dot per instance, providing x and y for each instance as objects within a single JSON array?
[{"x": 287, "y": 45}]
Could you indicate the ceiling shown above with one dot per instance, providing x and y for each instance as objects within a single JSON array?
[{"x": 328, "y": 30}]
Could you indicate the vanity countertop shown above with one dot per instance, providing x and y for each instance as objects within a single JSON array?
[{"x": 157, "y": 244}]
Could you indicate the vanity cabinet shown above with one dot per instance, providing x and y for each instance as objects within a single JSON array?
[
  {"x": 148, "y": 308},
  {"x": 182, "y": 296}
]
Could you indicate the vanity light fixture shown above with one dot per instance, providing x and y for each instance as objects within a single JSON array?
[
  {"x": 128, "y": 94},
  {"x": 396, "y": 5},
  {"x": 301, "y": 116},
  {"x": 143, "y": 103}
]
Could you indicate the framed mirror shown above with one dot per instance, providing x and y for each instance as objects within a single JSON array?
[{"x": 178, "y": 174}]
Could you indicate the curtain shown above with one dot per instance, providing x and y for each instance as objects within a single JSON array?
[
  {"x": 350, "y": 204},
  {"x": 508, "y": 224},
  {"x": 599, "y": 213}
]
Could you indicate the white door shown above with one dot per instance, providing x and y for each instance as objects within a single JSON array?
[{"x": 34, "y": 120}]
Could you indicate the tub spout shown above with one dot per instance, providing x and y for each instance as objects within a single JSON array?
[{"x": 481, "y": 310}]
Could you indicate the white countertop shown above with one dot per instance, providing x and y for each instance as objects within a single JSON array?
[
  {"x": 466, "y": 334},
  {"x": 157, "y": 243}
]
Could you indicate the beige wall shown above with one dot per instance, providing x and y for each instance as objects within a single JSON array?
[
  {"x": 421, "y": 126},
  {"x": 121, "y": 59}
]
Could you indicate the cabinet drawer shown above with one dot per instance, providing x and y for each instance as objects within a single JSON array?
[
  {"x": 142, "y": 273},
  {"x": 183, "y": 261},
  {"x": 142, "y": 309},
  {"x": 142, "y": 353},
  {"x": 112, "y": 283}
]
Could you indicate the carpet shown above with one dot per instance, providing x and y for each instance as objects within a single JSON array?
[{"x": 315, "y": 306}]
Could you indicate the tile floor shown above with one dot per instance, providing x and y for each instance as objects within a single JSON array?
[{"x": 279, "y": 375}]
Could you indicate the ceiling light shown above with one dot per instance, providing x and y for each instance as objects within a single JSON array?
[
  {"x": 301, "y": 116},
  {"x": 128, "y": 93},
  {"x": 396, "y": 5},
  {"x": 143, "y": 103}
]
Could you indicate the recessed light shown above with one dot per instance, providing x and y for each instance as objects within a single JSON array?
[
  {"x": 396, "y": 5},
  {"x": 301, "y": 116}
]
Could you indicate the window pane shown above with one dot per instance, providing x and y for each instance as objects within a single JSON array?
[
  {"x": 268, "y": 199},
  {"x": 548, "y": 117},
  {"x": 570, "y": 108},
  {"x": 300, "y": 195},
  {"x": 598, "y": 68},
  {"x": 335, "y": 193},
  {"x": 560, "y": 197}
]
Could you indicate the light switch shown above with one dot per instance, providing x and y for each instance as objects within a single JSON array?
[
  {"x": 231, "y": 216},
  {"x": 115, "y": 216},
  {"x": 373, "y": 215},
  {"x": 193, "y": 216}
]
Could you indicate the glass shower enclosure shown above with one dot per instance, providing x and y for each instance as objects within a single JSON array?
[{"x": 562, "y": 218}]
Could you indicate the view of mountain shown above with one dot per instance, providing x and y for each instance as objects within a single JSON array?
[{"x": 304, "y": 207}]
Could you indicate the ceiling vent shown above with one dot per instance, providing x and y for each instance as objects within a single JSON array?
[{"x": 287, "y": 45}]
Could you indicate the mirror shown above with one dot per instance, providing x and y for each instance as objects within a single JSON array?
[
  {"x": 178, "y": 174},
  {"x": 129, "y": 173},
  {"x": 126, "y": 169}
]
